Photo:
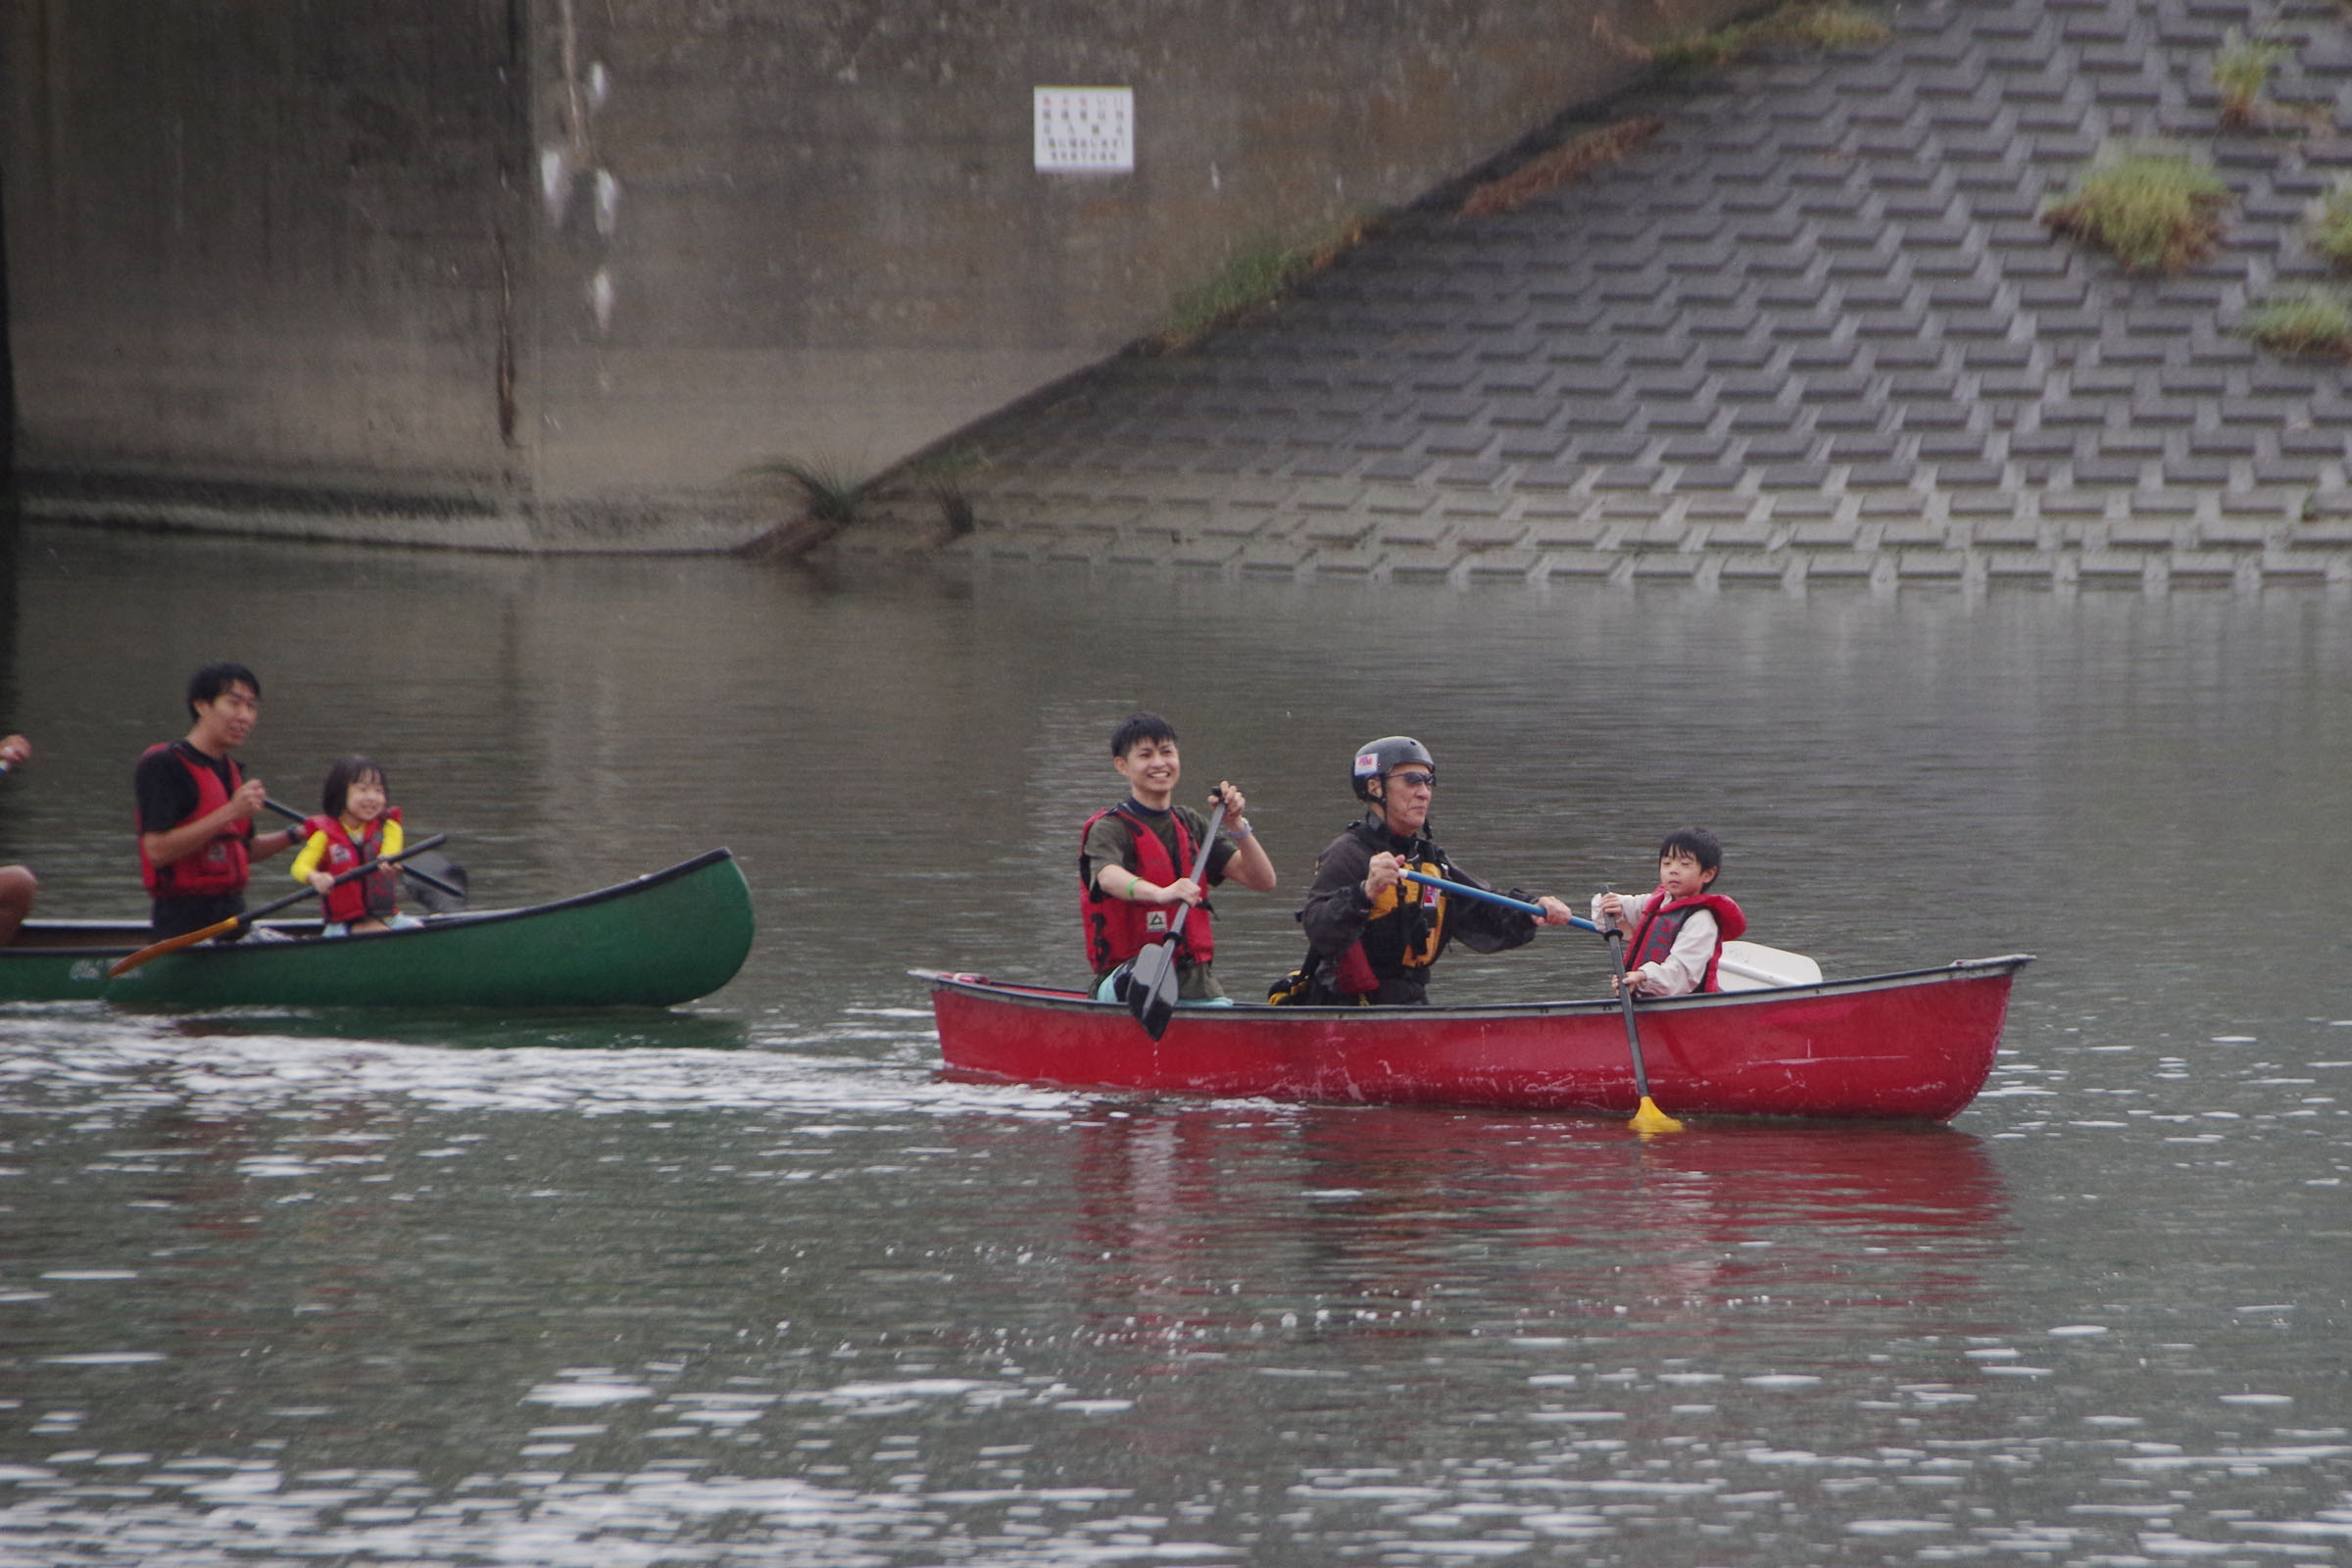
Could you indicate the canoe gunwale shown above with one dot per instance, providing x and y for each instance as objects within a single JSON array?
[
  {"x": 1049, "y": 997},
  {"x": 659, "y": 940},
  {"x": 137, "y": 934}
]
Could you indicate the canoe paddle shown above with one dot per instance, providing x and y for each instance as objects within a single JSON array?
[
  {"x": 1153, "y": 981},
  {"x": 1648, "y": 1118},
  {"x": 417, "y": 871},
  {"x": 189, "y": 939},
  {"x": 1489, "y": 896},
  {"x": 1751, "y": 962}
]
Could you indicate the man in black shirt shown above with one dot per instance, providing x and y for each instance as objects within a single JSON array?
[
  {"x": 196, "y": 808},
  {"x": 1373, "y": 934}
]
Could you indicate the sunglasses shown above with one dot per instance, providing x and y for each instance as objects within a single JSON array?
[{"x": 1415, "y": 781}]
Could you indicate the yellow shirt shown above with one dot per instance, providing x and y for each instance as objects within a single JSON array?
[{"x": 311, "y": 853}]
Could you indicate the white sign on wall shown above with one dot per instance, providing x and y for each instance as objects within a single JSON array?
[{"x": 1085, "y": 129}]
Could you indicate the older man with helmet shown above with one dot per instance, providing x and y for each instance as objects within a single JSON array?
[{"x": 1372, "y": 934}]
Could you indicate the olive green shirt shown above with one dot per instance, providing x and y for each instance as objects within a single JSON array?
[{"x": 1111, "y": 842}]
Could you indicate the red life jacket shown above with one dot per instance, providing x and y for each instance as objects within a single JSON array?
[
  {"x": 1117, "y": 929},
  {"x": 373, "y": 897},
  {"x": 1654, "y": 933},
  {"x": 222, "y": 865}
]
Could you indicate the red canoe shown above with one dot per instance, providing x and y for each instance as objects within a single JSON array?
[{"x": 1911, "y": 1046}]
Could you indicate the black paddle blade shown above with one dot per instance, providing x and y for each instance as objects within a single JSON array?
[
  {"x": 436, "y": 901},
  {"x": 1152, "y": 988}
]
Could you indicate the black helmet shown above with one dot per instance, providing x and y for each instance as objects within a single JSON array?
[{"x": 1374, "y": 759}]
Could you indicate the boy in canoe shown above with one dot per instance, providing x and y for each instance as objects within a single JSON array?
[
  {"x": 196, "y": 808},
  {"x": 1373, "y": 935},
  {"x": 1135, "y": 863},
  {"x": 1675, "y": 935}
]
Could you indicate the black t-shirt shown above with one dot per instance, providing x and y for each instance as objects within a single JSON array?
[
  {"x": 167, "y": 790},
  {"x": 168, "y": 796}
]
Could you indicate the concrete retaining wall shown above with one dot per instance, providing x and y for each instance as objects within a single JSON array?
[{"x": 553, "y": 274}]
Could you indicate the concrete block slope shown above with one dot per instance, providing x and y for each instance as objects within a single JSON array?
[{"x": 1810, "y": 332}]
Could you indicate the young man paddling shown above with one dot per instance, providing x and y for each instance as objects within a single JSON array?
[
  {"x": 1373, "y": 935},
  {"x": 196, "y": 808},
  {"x": 1135, "y": 863}
]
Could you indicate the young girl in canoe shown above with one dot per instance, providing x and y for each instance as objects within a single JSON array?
[
  {"x": 1675, "y": 936},
  {"x": 359, "y": 824}
]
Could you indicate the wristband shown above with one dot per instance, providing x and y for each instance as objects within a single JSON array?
[{"x": 1238, "y": 828}]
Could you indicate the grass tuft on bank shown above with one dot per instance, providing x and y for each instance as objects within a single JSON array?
[
  {"x": 1256, "y": 274},
  {"x": 2313, "y": 321},
  {"x": 1571, "y": 161},
  {"x": 2154, "y": 211},
  {"x": 2241, "y": 74},
  {"x": 828, "y": 491},
  {"x": 2331, "y": 230},
  {"x": 830, "y": 498},
  {"x": 944, "y": 478},
  {"x": 1825, "y": 25}
]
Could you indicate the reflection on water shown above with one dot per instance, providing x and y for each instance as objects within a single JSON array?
[
  {"x": 614, "y": 1029},
  {"x": 750, "y": 1282}
]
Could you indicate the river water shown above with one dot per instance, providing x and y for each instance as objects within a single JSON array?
[{"x": 745, "y": 1283}]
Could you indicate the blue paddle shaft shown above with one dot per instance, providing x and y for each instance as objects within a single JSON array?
[{"x": 1503, "y": 898}]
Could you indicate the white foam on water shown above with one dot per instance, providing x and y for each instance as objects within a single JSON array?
[
  {"x": 1896, "y": 1527},
  {"x": 2164, "y": 1545},
  {"x": 912, "y": 1388},
  {"x": 131, "y": 1067},
  {"x": 581, "y": 1394},
  {"x": 2316, "y": 1529},
  {"x": 2259, "y": 1458}
]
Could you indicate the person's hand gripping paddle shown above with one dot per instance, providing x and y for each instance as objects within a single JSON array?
[
  {"x": 1153, "y": 982},
  {"x": 221, "y": 928}
]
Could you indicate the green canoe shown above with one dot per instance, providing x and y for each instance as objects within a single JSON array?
[{"x": 659, "y": 940}]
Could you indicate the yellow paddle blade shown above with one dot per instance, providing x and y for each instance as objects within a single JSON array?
[{"x": 1651, "y": 1120}]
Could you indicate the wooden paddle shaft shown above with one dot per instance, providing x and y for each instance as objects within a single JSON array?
[
  {"x": 1624, "y": 1000},
  {"x": 189, "y": 939}
]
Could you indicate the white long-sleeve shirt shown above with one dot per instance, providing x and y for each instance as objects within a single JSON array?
[{"x": 1684, "y": 969}]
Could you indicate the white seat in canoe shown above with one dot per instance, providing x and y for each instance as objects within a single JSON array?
[{"x": 1753, "y": 967}]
